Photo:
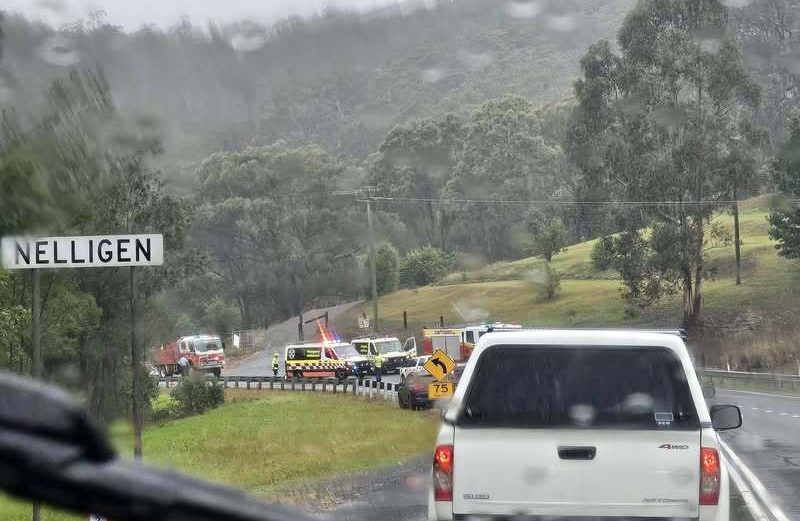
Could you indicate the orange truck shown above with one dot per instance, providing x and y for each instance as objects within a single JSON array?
[
  {"x": 457, "y": 342},
  {"x": 203, "y": 352}
]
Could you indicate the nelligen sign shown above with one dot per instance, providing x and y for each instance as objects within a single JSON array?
[{"x": 17, "y": 253}]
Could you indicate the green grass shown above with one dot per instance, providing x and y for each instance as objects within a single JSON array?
[
  {"x": 274, "y": 441},
  {"x": 590, "y": 297}
]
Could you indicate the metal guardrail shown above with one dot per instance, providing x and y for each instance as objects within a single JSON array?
[
  {"x": 757, "y": 381},
  {"x": 359, "y": 387}
]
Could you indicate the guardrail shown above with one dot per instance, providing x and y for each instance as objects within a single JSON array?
[
  {"x": 756, "y": 381},
  {"x": 362, "y": 387}
]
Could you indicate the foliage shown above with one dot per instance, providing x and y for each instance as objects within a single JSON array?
[
  {"x": 549, "y": 235},
  {"x": 785, "y": 230},
  {"x": 274, "y": 235},
  {"x": 785, "y": 225},
  {"x": 387, "y": 268},
  {"x": 659, "y": 121},
  {"x": 220, "y": 317},
  {"x": 424, "y": 266},
  {"x": 546, "y": 281},
  {"x": 195, "y": 395}
]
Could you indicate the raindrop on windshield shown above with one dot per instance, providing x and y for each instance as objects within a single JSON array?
[
  {"x": 432, "y": 75},
  {"x": 248, "y": 41},
  {"x": 60, "y": 50},
  {"x": 582, "y": 414},
  {"x": 561, "y": 23},
  {"x": 475, "y": 60},
  {"x": 638, "y": 403},
  {"x": 523, "y": 10}
]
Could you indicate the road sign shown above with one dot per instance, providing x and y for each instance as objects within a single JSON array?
[
  {"x": 363, "y": 322},
  {"x": 96, "y": 251},
  {"x": 439, "y": 390},
  {"x": 439, "y": 364},
  {"x": 236, "y": 341}
]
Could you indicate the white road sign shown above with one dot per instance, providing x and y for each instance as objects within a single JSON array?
[{"x": 18, "y": 253}]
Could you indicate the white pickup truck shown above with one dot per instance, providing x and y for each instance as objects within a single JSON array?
[{"x": 577, "y": 424}]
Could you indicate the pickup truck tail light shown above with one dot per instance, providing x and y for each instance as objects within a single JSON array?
[
  {"x": 710, "y": 474},
  {"x": 443, "y": 473}
]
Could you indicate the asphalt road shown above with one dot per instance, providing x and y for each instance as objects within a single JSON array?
[{"x": 769, "y": 443}]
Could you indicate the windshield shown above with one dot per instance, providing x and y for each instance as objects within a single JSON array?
[
  {"x": 227, "y": 191},
  {"x": 203, "y": 345},
  {"x": 388, "y": 346},
  {"x": 346, "y": 351}
]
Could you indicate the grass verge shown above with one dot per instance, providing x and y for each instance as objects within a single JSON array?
[{"x": 261, "y": 441}]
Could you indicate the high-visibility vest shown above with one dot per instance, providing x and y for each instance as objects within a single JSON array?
[
  {"x": 275, "y": 362},
  {"x": 378, "y": 361}
]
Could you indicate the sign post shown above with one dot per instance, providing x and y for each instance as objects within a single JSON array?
[{"x": 96, "y": 251}]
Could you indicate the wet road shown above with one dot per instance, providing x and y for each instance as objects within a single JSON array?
[{"x": 769, "y": 443}]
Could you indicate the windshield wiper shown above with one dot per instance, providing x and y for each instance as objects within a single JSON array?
[{"x": 51, "y": 452}]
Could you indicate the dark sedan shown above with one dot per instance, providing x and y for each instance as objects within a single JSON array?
[{"x": 413, "y": 392}]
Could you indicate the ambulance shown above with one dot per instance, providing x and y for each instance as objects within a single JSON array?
[
  {"x": 393, "y": 354},
  {"x": 316, "y": 360}
]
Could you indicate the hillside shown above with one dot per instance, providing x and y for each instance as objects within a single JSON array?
[
  {"x": 341, "y": 80},
  {"x": 749, "y": 324}
]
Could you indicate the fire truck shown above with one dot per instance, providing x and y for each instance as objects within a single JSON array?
[
  {"x": 457, "y": 342},
  {"x": 203, "y": 352}
]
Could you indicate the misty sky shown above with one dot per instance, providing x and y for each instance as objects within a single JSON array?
[{"x": 133, "y": 13}]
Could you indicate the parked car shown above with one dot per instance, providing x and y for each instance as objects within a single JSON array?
[
  {"x": 414, "y": 366},
  {"x": 573, "y": 424},
  {"x": 413, "y": 392}
]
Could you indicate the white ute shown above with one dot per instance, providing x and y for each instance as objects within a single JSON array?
[{"x": 561, "y": 425}]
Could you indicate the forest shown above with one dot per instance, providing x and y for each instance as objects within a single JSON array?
[{"x": 480, "y": 131}]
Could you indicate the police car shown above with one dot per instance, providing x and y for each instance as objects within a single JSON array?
[
  {"x": 315, "y": 360},
  {"x": 393, "y": 354}
]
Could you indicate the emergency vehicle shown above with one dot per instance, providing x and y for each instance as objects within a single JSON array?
[
  {"x": 458, "y": 342},
  {"x": 203, "y": 352},
  {"x": 316, "y": 360},
  {"x": 393, "y": 354}
]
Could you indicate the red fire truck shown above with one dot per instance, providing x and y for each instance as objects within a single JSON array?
[
  {"x": 457, "y": 342},
  {"x": 203, "y": 352}
]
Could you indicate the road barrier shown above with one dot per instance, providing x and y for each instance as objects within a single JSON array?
[
  {"x": 359, "y": 387},
  {"x": 722, "y": 379}
]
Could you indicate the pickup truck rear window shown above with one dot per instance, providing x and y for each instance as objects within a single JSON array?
[{"x": 569, "y": 387}]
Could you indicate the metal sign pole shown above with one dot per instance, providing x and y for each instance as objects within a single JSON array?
[
  {"x": 136, "y": 368},
  {"x": 36, "y": 336}
]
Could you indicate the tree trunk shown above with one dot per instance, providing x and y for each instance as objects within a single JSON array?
[
  {"x": 736, "y": 241},
  {"x": 688, "y": 299}
]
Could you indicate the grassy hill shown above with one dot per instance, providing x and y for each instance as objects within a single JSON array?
[{"x": 748, "y": 325}]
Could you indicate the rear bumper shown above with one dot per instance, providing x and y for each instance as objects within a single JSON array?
[{"x": 472, "y": 517}]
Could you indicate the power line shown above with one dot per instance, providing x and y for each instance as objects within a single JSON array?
[{"x": 557, "y": 202}]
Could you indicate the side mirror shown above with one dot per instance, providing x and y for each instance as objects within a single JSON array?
[
  {"x": 709, "y": 391},
  {"x": 725, "y": 417}
]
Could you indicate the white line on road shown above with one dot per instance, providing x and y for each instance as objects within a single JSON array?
[
  {"x": 795, "y": 415},
  {"x": 756, "y": 486},
  {"x": 755, "y": 408},
  {"x": 784, "y": 414},
  {"x": 769, "y": 411},
  {"x": 749, "y": 497}
]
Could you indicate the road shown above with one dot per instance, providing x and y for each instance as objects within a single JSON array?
[
  {"x": 277, "y": 336},
  {"x": 769, "y": 443}
]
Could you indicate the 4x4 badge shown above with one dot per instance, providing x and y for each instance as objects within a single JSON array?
[{"x": 673, "y": 446}]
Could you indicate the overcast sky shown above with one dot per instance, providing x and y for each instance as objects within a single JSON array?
[{"x": 133, "y": 13}]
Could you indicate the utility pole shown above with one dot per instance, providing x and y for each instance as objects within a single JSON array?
[
  {"x": 36, "y": 339},
  {"x": 736, "y": 241},
  {"x": 136, "y": 367},
  {"x": 367, "y": 190},
  {"x": 372, "y": 268}
]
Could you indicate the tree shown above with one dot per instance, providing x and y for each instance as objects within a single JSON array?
[
  {"x": 424, "y": 266},
  {"x": 274, "y": 235},
  {"x": 545, "y": 281},
  {"x": 785, "y": 226},
  {"x": 387, "y": 268},
  {"x": 549, "y": 235},
  {"x": 657, "y": 123}
]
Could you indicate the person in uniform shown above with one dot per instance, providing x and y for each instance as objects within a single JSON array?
[
  {"x": 378, "y": 367},
  {"x": 183, "y": 364},
  {"x": 275, "y": 364}
]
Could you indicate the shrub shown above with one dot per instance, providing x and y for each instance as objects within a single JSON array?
[
  {"x": 546, "y": 281},
  {"x": 387, "y": 268},
  {"x": 197, "y": 395},
  {"x": 425, "y": 266}
]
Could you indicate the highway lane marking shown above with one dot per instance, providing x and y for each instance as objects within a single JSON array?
[
  {"x": 773, "y": 395},
  {"x": 749, "y": 497},
  {"x": 769, "y": 411},
  {"x": 756, "y": 485},
  {"x": 755, "y": 408},
  {"x": 784, "y": 414},
  {"x": 795, "y": 415}
]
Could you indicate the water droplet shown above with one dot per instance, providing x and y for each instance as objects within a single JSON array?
[
  {"x": 248, "y": 41},
  {"x": 475, "y": 60},
  {"x": 60, "y": 50},
  {"x": 638, "y": 403},
  {"x": 582, "y": 414},
  {"x": 561, "y": 23},
  {"x": 432, "y": 75},
  {"x": 523, "y": 10}
]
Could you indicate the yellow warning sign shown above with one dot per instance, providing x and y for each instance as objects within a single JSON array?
[
  {"x": 439, "y": 364},
  {"x": 439, "y": 390}
]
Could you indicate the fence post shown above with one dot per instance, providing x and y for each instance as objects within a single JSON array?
[
  {"x": 335, "y": 385},
  {"x": 283, "y": 382},
  {"x": 303, "y": 384},
  {"x": 313, "y": 385},
  {"x": 248, "y": 382},
  {"x": 441, "y": 320},
  {"x": 405, "y": 320}
]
